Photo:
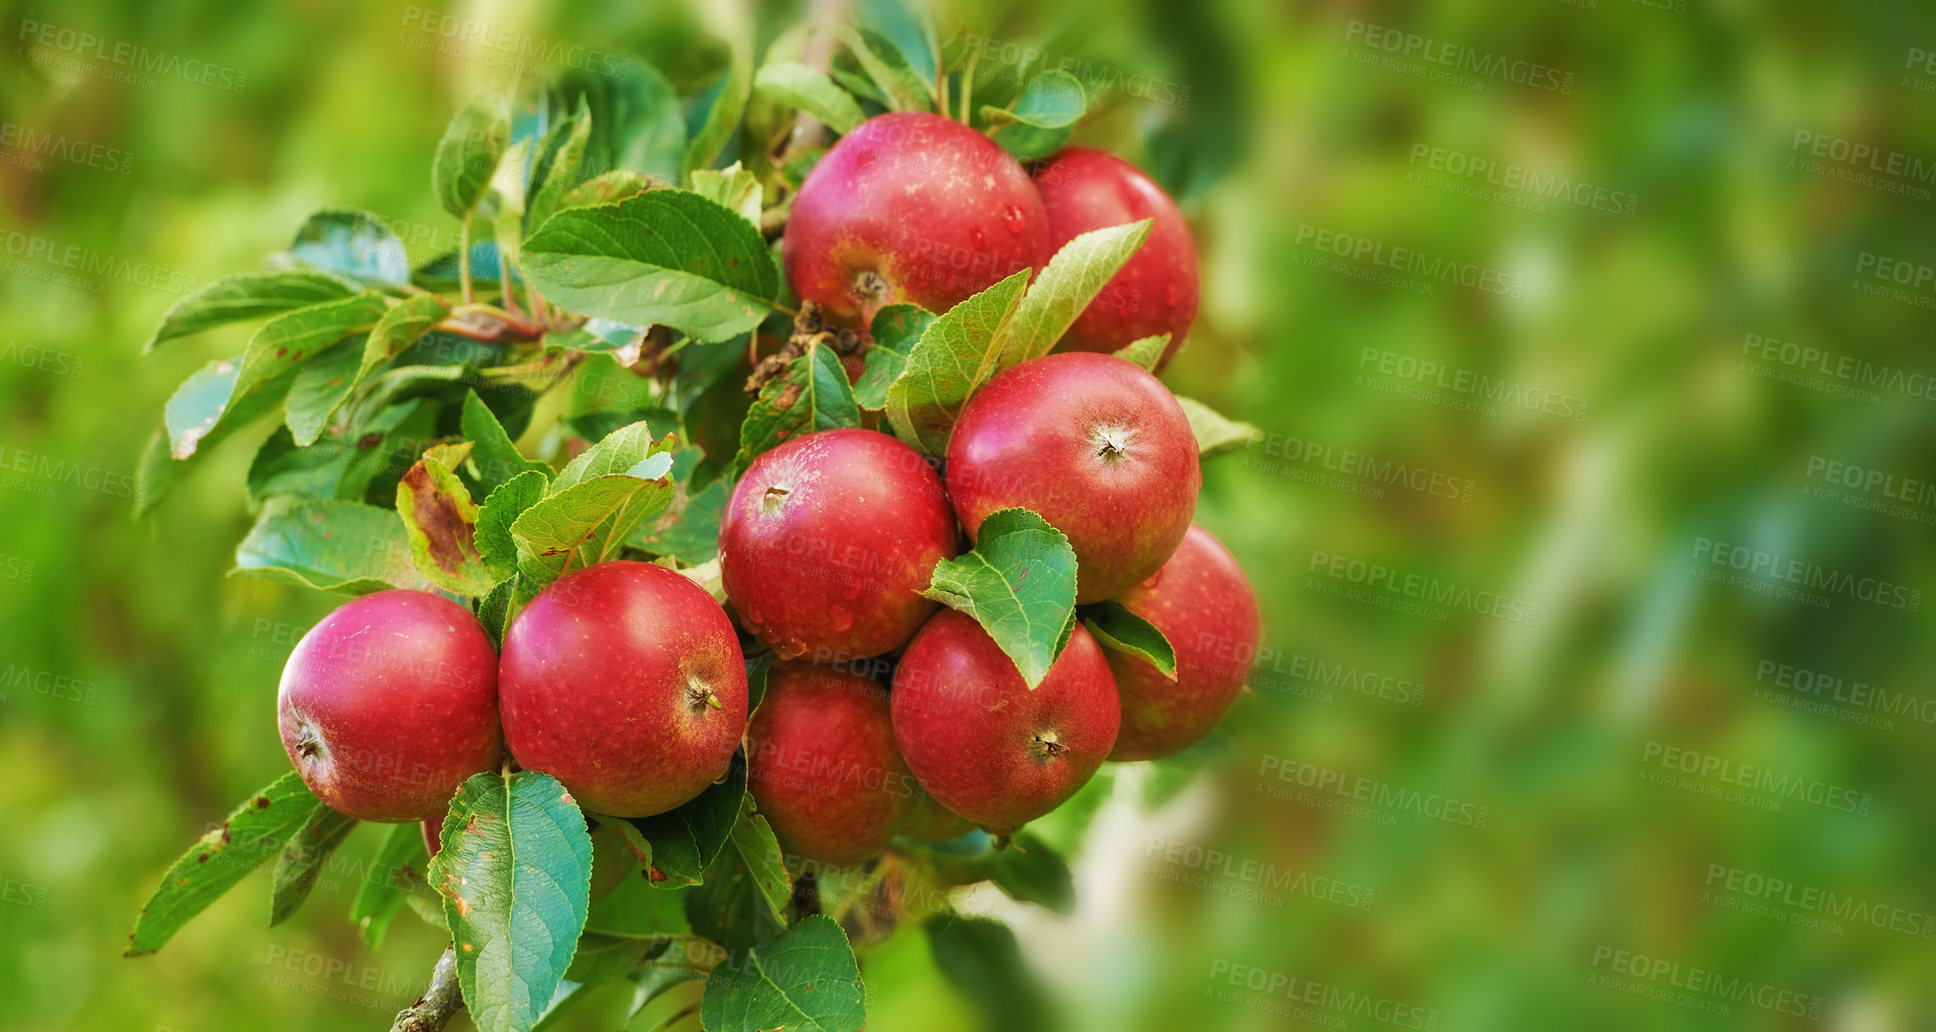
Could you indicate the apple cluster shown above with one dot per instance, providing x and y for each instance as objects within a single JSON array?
[{"x": 883, "y": 713}]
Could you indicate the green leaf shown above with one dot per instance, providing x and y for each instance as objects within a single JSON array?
[
  {"x": 637, "y": 123},
  {"x": 895, "y": 331},
  {"x": 734, "y": 89},
  {"x": 515, "y": 871},
  {"x": 495, "y": 461},
  {"x": 379, "y": 896},
  {"x": 883, "y": 63},
  {"x": 1118, "y": 628},
  {"x": 1216, "y": 434},
  {"x": 441, "y": 519},
  {"x": 403, "y": 325},
  {"x": 281, "y": 468},
  {"x": 584, "y": 524},
  {"x": 812, "y": 395},
  {"x": 808, "y": 89},
  {"x": 956, "y": 354},
  {"x": 981, "y": 959},
  {"x": 731, "y": 187},
  {"x": 1072, "y": 279},
  {"x": 1042, "y": 118},
  {"x": 353, "y": 244},
  {"x": 652, "y": 981},
  {"x": 1145, "y": 352},
  {"x": 806, "y": 980},
  {"x": 1029, "y": 871},
  {"x": 760, "y": 851},
  {"x": 556, "y": 169},
  {"x": 253, "y": 833},
  {"x": 668, "y": 256},
  {"x": 609, "y": 956},
  {"x": 501, "y": 508},
  {"x": 330, "y": 545},
  {"x": 1020, "y": 584},
  {"x": 302, "y": 860},
  {"x": 693, "y": 537},
  {"x": 728, "y": 908},
  {"x": 198, "y": 409},
  {"x": 319, "y": 388},
  {"x": 629, "y": 450},
  {"x": 908, "y": 28},
  {"x": 250, "y": 295},
  {"x": 468, "y": 154},
  {"x": 607, "y": 188},
  {"x": 685, "y": 841}
]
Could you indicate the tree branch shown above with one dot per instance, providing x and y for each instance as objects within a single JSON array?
[{"x": 440, "y": 1001}]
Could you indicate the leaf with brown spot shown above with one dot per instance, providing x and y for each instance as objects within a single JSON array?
[{"x": 441, "y": 521}]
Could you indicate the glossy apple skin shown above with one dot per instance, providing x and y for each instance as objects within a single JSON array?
[
  {"x": 911, "y": 207},
  {"x": 828, "y": 540},
  {"x": 624, "y": 681},
  {"x": 389, "y": 703},
  {"x": 985, "y": 745},
  {"x": 822, "y": 764},
  {"x": 1203, "y": 604},
  {"x": 1094, "y": 445},
  {"x": 1156, "y": 290}
]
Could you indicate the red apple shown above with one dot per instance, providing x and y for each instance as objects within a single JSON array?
[
  {"x": 910, "y": 207},
  {"x": 985, "y": 745},
  {"x": 828, "y": 541},
  {"x": 822, "y": 764},
  {"x": 1094, "y": 445},
  {"x": 1156, "y": 290},
  {"x": 624, "y": 681},
  {"x": 389, "y": 703},
  {"x": 1203, "y": 604}
]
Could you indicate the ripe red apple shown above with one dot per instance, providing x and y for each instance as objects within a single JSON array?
[
  {"x": 1156, "y": 290},
  {"x": 389, "y": 703},
  {"x": 828, "y": 541},
  {"x": 1203, "y": 604},
  {"x": 985, "y": 745},
  {"x": 624, "y": 681},
  {"x": 822, "y": 764},
  {"x": 1094, "y": 445},
  {"x": 911, "y": 207}
]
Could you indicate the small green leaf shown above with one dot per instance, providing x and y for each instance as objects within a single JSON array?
[
  {"x": 735, "y": 87},
  {"x": 981, "y": 959},
  {"x": 895, "y": 330},
  {"x": 302, "y": 860},
  {"x": 250, "y": 295},
  {"x": 728, "y": 908},
  {"x": 251, "y": 835},
  {"x": 556, "y": 170},
  {"x": 609, "y": 956},
  {"x": 1042, "y": 118},
  {"x": 584, "y": 524},
  {"x": 731, "y": 187},
  {"x": 629, "y": 450},
  {"x": 1072, "y": 279},
  {"x": 320, "y": 387},
  {"x": 808, "y": 89},
  {"x": 281, "y": 468},
  {"x": 1145, "y": 352},
  {"x": 807, "y": 979},
  {"x": 403, "y": 325},
  {"x": 956, "y": 354},
  {"x": 399, "y": 862},
  {"x": 812, "y": 395},
  {"x": 353, "y": 244},
  {"x": 468, "y": 154},
  {"x": 605, "y": 188},
  {"x": 693, "y": 536},
  {"x": 1020, "y": 584},
  {"x": 685, "y": 841},
  {"x": 515, "y": 871},
  {"x": 883, "y": 63},
  {"x": 638, "y": 125},
  {"x": 1029, "y": 871},
  {"x": 330, "y": 545},
  {"x": 1216, "y": 434},
  {"x": 496, "y": 460},
  {"x": 494, "y": 518},
  {"x": 669, "y": 257},
  {"x": 441, "y": 519},
  {"x": 765, "y": 863},
  {"x": 1118, "y": 628}
]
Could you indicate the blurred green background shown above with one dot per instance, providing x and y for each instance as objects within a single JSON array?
[{"x": 1566, "y": 322}]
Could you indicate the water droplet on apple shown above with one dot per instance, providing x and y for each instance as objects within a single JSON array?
[{"x": 843, "y": 619}]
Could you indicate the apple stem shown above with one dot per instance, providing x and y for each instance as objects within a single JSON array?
[{"x": 441, "y": 999}]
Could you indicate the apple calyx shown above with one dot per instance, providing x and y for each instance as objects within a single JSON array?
[
  {"x": 774, "y": 500},
  {"x": 1046, "y": 745},
  {"x": 1112, "y": 442}
]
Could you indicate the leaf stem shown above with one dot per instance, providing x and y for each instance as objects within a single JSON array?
[
  {"x": 504, "y": 283},
  {"x": 968, "y": 86},
  {"x": 676, "y": 1017},
  {"x": 441, "y": 999},
  {"x": 464, "y": 260}
]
